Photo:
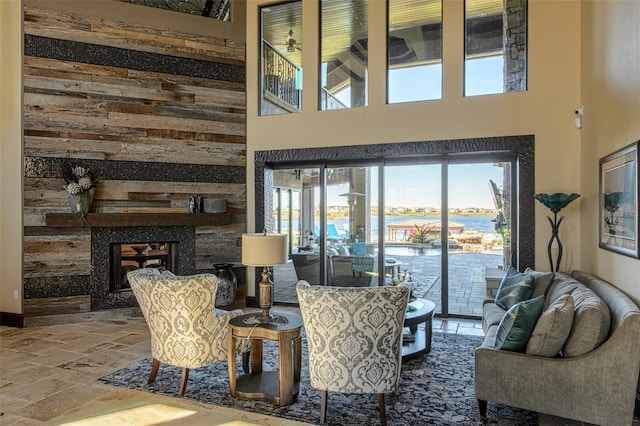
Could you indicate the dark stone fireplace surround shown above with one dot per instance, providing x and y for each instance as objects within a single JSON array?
[{"x": 101, "y": 240}]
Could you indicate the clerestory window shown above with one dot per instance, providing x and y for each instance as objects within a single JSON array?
[
  {"x": 414, "y": 51},
  {"x": 281, "y": 58},
  {"x": 495, "y": 46}
]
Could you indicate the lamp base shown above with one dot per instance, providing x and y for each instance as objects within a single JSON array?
[{"x": 266, "y": 319}]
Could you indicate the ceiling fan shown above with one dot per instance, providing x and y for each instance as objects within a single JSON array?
[{"x": 291, "y": 43}]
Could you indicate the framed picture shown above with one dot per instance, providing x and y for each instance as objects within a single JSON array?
[{"x": 618, "y": 219}]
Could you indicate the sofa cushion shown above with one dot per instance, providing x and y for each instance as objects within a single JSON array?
[
  {"x": 516, "y": 325},
  {"x": 562, "y": 284},
  {"x": 514, "y": 287},
  {"x": 552, "y": 329},
  {"x": 491, "y": 315},
  {"x": 541, "y": 281},
  {"x": 591, "y": 323}
]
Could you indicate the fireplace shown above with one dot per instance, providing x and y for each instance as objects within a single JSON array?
[
  {"x": 171, "y": 247},
  {"x": 124, "y": 258}
]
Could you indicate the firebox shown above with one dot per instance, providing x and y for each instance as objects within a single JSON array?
[
  {"x": 113, "y": 252},
  {"x": 127, "y": 257}
]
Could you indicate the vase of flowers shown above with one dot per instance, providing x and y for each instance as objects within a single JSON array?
[{"x": 81, "y": 187}]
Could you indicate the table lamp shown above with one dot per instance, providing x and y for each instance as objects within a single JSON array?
[{"x": 262, "y": 249}]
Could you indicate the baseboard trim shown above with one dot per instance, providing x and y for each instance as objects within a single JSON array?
[{"x": 9, "y": 319}]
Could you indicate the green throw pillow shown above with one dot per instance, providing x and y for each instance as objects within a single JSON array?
[
  {"x": 514, "y": 287},
  {"x": 517, "y": 324}
]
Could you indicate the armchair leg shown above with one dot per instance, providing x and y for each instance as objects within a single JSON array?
[
  {"x": 183, "y": 382},
  {"x": 323, "y": 408},
  {"x": 154, "y": 371},
  {"x": 482, "y": 405},
  {"x": 383, "y": 409}
]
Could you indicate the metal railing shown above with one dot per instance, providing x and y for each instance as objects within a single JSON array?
[
  {"x": 281, "y": 77},
  {"x": 328, "y": 101},
  {"x": 217, "y": 9}
]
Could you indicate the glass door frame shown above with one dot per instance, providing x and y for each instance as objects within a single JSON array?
[{"x": 517, "y": 149}]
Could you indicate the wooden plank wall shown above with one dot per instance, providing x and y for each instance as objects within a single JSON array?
[{"x": 157, "y": 114}]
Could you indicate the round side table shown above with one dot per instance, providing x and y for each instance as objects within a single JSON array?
[
  {"x": 281, "y": 386},
  {"x": 418, "y": 342}
]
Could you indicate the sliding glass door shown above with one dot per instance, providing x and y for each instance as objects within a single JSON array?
[
  {"x": 478, "y": 238},
  {"x": 412, "y": 222},
  {"x": 443, "y": 226}
]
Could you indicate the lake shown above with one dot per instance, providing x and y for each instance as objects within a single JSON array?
[{"x": 481, "y": 224}]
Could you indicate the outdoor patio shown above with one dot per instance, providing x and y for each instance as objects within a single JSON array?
[{"x": 467, "y": 285}]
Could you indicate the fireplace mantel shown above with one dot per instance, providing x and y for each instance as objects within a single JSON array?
[{"x": 106, "y": 220}]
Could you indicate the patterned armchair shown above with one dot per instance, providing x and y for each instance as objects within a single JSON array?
[
  {"x": 355, "y": 338},
  {"x": 186, "y": 330}
]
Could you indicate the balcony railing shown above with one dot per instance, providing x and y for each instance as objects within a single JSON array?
[
  {"x": 217, "y": 9},
  {"x": 282, "y": 78},
  {"x": 328, "y": 101}
]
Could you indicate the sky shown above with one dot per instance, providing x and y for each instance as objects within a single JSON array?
[
  {"x": 419, "y": 186},
  {"x": 483, "y": 76}
]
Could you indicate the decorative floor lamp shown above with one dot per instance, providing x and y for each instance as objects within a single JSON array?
[
  {"x": 264, "y": 250},
  {"x": 555, "y": 202}
]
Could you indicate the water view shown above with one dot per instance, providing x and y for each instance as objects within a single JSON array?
[{"x": 482, "y": 224}]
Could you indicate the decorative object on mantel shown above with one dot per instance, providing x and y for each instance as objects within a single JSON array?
[
  {"x": 81, "y": 187},
  {"x": 196, "y": 204},
  {"x": 214, "y": 205},
  {"x": 227, "y": 284},
  {"x": 555, "y": 202}
]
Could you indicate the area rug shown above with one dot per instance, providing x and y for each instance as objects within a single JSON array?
[{"x": 435, "y": 389}]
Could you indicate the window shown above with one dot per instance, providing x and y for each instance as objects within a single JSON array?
[
  {"x": 495, "y": 46},
  {"x": 281, "y": 59},
  {"x": 414, "y": 51},
  {"x": 344, "y": 54}
]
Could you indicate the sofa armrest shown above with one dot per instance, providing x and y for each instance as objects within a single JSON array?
[{"x": 598, "y": 387}]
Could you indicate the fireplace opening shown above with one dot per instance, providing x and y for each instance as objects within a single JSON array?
[{"x": 127, "y": 257}]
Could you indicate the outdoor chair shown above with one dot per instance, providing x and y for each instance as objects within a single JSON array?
[
  {"x": 333, "y": 234},
  {"x": 354, "y": 336},
  {"x": 186, "y": 330}
]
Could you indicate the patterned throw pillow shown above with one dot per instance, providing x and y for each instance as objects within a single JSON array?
[
  {"x": 516, "y": 325},
  {"x": 552, "y": 329},
  {"x": 514, "y": 287}
]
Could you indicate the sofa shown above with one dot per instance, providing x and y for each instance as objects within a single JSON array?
[
  {"x": 349, "y": 265},
  {"x": 595, "y": 329}
]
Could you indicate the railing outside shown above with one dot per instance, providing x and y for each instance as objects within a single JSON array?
[
  {"x": 328, "y": 101},
  {"x": 280, "y": 76},
  {"x": 217, "y": 9}
]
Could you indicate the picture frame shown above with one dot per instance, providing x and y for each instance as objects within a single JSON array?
[{"x": 619, "y": 230}]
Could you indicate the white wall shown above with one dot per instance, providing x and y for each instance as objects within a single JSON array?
[
  {"x": 611, "y": 97},
  {"x": 545, "y": 110}
]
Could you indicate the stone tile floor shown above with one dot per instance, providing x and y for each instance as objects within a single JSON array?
[{"x": 48, "y": 377}]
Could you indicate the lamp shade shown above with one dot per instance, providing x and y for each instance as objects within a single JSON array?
[{"x": 264, "y": 249}]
